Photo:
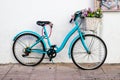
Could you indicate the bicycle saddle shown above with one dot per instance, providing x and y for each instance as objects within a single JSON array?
[{"x": 43, "y": 23}]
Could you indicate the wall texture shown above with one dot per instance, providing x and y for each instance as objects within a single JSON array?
[{"x": 19, "y": 15}]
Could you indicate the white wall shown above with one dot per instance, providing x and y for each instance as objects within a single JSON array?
[{"x": 19, "y": 15}]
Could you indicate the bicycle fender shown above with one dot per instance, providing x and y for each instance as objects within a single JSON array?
[
  {"x": 30, "y": 32},
  {"x": 71, "y": 44}
]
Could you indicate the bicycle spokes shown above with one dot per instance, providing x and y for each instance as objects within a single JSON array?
[{"x": 97, "y": 56}]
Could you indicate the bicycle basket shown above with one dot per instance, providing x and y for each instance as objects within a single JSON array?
[{"x": 91, "y": 24}]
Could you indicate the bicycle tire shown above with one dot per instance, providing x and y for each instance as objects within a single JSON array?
[
  {"x": 16, "y": 44},
  {"x": 99, "y": 46}
]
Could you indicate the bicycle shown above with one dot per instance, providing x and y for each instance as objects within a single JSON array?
[{"x": 87, "y": 51}]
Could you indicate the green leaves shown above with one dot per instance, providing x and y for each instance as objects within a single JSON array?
[{"x": 97, "y": 13}]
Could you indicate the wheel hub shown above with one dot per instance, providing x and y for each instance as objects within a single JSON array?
[{"x": 27, "y": 51}]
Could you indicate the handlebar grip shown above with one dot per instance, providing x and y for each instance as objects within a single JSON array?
[{"x": 71, "y": 20}]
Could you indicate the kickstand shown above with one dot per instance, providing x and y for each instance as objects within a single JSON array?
[{"x": 52, "y": 61}]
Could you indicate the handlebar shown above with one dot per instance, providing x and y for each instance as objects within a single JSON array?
[
  {"x": 76, "y": 15},
  {"x": 71, "y": 20}
]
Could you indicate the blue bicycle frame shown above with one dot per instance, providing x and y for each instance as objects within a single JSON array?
[
  {"x": 58, "y": 49},
  {"x": 76, "y": 28}
]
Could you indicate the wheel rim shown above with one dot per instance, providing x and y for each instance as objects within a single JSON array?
[
  {"x": 97, "y": 53},
  {"x": 19, "y": 49}
]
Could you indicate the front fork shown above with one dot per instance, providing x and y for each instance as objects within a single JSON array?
[{"x": 82, "y": 38}]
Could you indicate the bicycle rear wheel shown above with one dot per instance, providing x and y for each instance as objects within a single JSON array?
[
  {"x": 97, "y": 56},
  {"x": 19, "y": 50}
]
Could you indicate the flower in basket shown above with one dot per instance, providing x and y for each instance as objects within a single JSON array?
[
  {"x": 84, "y": 13},
  {"x": 90, "y": 13}
]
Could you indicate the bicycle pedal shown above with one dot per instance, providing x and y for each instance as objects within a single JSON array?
[{"x": 24, "y": 55}]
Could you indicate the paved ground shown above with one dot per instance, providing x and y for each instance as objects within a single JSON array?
[{"x": 58, "y": 72}]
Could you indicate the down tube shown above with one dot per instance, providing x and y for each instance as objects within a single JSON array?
[{"x": 66, "y": 39}]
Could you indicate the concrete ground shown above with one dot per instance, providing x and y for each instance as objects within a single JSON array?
[{"x": 63, "y": 71}]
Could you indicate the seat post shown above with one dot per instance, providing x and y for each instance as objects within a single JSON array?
[{"x": 46, "y": 34}]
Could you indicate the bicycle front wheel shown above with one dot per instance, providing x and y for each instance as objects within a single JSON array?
[
  {"x": 92, "y": 60},
  {"x": 21, "y": 44}
]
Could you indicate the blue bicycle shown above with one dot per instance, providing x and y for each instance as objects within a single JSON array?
[{"x": 87, "y": 51}]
